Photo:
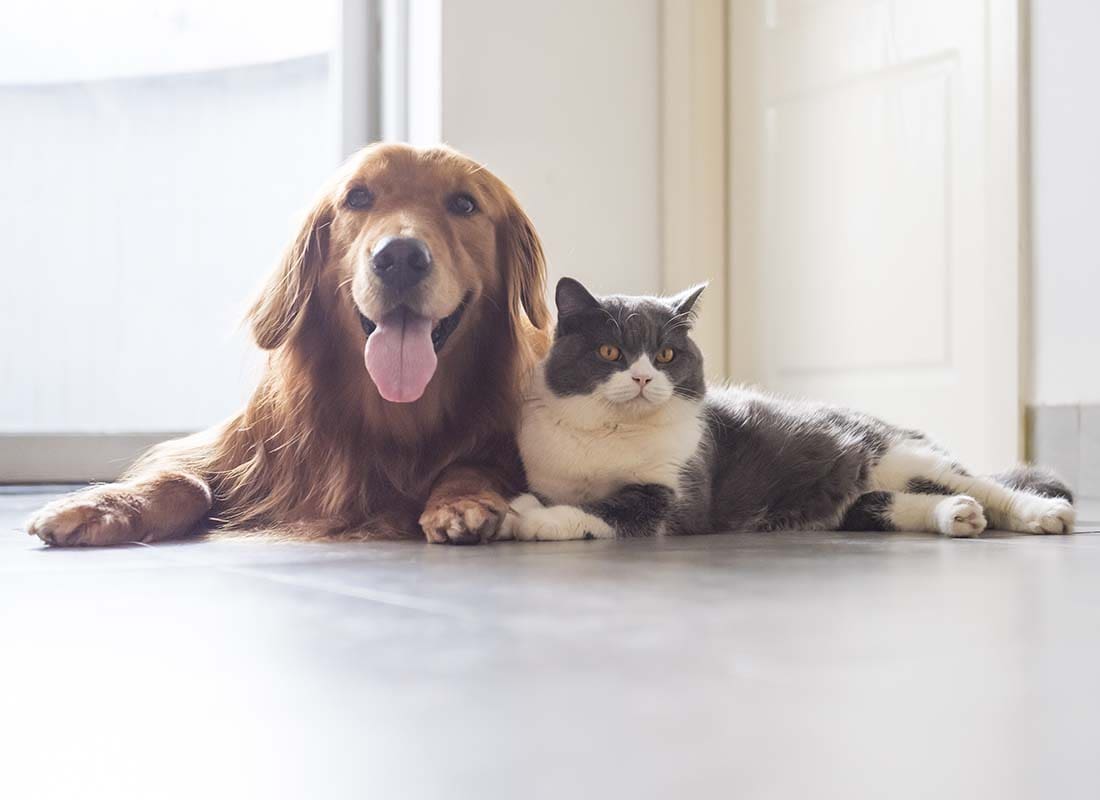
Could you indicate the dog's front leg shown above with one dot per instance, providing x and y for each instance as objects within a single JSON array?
[
  {"x": 148, "y": 507},
  {"x": 466, "y": 506}
]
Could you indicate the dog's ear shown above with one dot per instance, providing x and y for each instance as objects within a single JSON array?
[
  {"x": 287, "y": 291},
  {"x": 523, "y": 265}
]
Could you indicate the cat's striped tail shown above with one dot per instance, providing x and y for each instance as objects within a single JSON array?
[{"x": 1037, "y": 480}]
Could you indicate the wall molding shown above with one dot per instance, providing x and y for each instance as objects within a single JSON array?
[{"x": 72, "y": 457}]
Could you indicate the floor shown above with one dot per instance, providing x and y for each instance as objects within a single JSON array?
[{"x": 787, "y": 665}]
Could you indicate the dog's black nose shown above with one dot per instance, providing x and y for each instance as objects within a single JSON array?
[{"x": 401, "y": 261}]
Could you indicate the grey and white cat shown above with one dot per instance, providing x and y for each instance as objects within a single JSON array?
[{"x": 620, "y": 436}]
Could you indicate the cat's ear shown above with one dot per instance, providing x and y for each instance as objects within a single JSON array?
[
  {"x": 685, "y": 305},
  {"x": 572, "y": 298}
]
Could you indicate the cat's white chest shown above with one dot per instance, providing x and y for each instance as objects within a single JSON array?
[{"x": 572, "y": 464}]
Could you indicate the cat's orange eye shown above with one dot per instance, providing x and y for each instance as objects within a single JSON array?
[
  {"x": 665, "y": 354},
  {"x": 609, "y": 352}
]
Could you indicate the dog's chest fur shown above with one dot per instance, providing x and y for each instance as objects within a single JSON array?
[{"x": 573, "y": 455}]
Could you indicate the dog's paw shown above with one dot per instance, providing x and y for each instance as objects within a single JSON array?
[
  {"x": 960, "y": 516},
  {"x": 102, "y": 515},
  {"x": 464, "y": 520},
  {"x": 560, "y": 523},
  {"x": 1043, "y": 515}
]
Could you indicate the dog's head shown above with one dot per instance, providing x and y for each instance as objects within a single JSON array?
[{"x": 407, "y": 248}]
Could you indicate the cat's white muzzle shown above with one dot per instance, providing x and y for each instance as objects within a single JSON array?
[{"x": 640, "y": 385}]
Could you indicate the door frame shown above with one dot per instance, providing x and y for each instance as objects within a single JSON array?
[
  {"x": 693, "y": 140},
  {"x": 1008, "y": 213}
]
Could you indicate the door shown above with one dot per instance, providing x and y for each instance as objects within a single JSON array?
[{"x": 874, "y": 211}]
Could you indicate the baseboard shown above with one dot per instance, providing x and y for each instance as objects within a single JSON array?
[
  {"x": 71, "y": 457},
  {"x": 1067, "y": 439}
]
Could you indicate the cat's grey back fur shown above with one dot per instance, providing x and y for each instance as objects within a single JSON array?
[{"x": 767, "y": 463}]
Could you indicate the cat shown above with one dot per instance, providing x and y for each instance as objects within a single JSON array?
[{"x": 620, "y": 436}]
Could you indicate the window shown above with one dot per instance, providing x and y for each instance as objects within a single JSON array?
[{"x": 162, "y": 152}]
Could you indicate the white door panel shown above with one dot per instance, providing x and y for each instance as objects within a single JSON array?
[{"x": 861, "y": 214}]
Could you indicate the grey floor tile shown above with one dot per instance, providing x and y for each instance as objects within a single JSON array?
[{"x": 743, "y": 665}]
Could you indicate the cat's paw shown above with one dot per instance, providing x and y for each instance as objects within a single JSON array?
[
  {"x": 523, "y": 504},
  {"x": 1037, "y": 514},
  {"x": 560, "y": 523},
  {"x": 960, "y": 515}
]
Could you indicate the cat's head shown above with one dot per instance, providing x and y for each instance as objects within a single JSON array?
[{"x": 633, "y": 353}]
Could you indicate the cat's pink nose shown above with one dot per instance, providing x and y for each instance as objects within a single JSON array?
[{"x": 641, "y": 380}]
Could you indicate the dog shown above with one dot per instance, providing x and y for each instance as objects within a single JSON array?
[{"x": 401, "y": 324}]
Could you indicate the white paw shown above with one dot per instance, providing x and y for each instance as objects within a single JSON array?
[
  {"x": 1044, "y": 515},
  {"x": 960, "y": 515},
  {"x": 524, "y": 503},
  {"x": 560, "y": 523},
  {"x": 521, "y": 504}
]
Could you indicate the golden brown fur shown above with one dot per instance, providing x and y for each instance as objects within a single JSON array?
[{"x": 317, "y": 449}]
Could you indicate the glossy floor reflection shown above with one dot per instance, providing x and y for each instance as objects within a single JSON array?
[{"x": 784, "y": 665}]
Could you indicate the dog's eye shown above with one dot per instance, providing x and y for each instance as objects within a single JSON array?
[
  {"x": 461, "y": 204},
  {"x": 665, "y": 354},
  {"x": 359, "y": 199},
  {"x": 609, "y": 352}
]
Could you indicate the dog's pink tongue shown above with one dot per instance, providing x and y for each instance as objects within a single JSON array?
[{"x": 400, "y": 356}]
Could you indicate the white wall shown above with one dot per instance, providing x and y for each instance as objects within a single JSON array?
[
  {"x": 1065, "y": 136},
  {"x": 560, "y": 99}
]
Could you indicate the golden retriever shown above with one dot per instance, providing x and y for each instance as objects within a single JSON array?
[{"x": 401, "y": 324}]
